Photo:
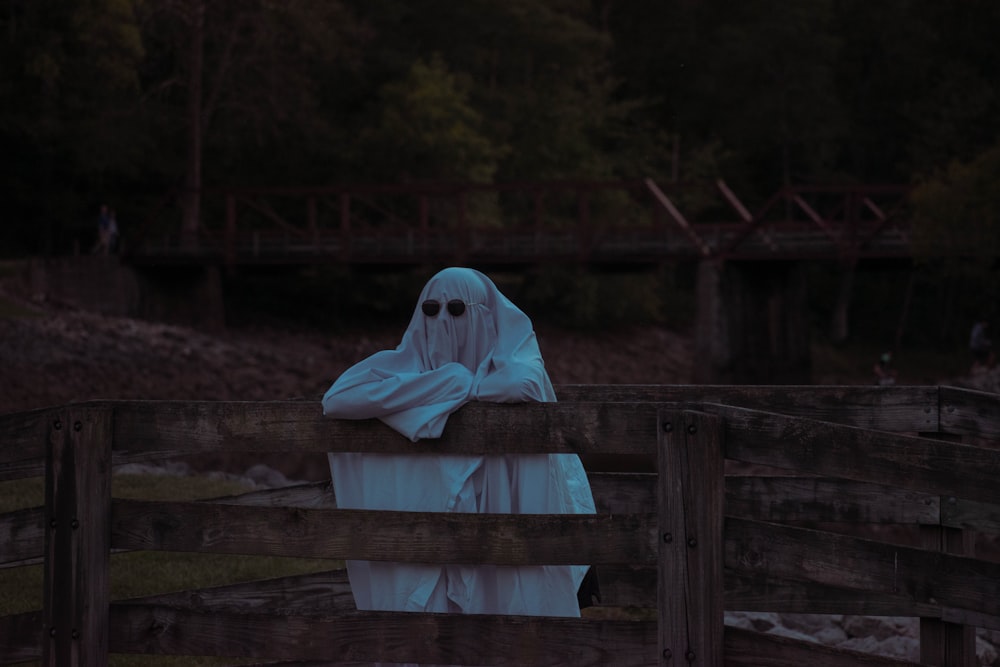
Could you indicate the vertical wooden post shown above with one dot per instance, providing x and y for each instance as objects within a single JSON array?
[
  {"x": 78, "y": 541},
  {"x": 942, "y": 643},
  {"x": 690, "y": 497}
]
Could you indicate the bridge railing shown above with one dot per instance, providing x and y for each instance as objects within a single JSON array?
[
  {"x": 727, "y": 498},
  {"x": 596, "y": 221}
]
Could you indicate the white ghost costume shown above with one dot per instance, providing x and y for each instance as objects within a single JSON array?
[{"x": 488, "y": 353}]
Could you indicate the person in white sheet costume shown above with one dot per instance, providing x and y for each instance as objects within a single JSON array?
[{"x": 465, "y": 342}]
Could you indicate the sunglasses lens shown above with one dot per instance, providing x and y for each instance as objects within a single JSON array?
[
  {"x": 456, "y": 307},
  {"x": 430, "y": 308}
]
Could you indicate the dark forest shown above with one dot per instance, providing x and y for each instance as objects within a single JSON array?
[{"x": 137, "y": 102}]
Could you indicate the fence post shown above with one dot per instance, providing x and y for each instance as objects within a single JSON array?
[
  {"x": 690, "y": 497},
  {"x": 942, "y": 643},
  {"x": 78, "y": 539}
]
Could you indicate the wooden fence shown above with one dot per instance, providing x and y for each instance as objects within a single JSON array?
[{"x": 735, "y": 498}]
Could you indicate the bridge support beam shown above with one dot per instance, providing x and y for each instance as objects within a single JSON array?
[{"x": 752, "y": 323}]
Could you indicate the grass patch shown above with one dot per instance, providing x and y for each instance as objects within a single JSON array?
[
  {"x": 143, "y": 573},
  {"x": 30, "y": 492}
]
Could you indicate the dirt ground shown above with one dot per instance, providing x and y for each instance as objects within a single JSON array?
[{"x": 60, "y": 355}]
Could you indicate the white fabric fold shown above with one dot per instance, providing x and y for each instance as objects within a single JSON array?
[{"x": 489, "y": 353}]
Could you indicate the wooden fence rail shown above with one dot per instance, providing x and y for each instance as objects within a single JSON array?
[{"x": 826, "y": 500}]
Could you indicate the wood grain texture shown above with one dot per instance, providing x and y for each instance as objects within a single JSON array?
[
  {"x": 833, "y": 450},
  {"x": 315, "y": 593},
  {"x": 477, "y": 428},
  {"x": 77, "y": 565},
  {"x": 22, "y": 534},
  {"x": 970, "y": 412},
  {"x": 899, "y": 409},
  {"x": 846, "y": 467},
  {"x": 21, "y": 637},
  {"x": 23, "y": 435},
  {"x": 745, "y": 648},
  {"x": 503, "y": 539},
  {"x": 773, "y": 550},
  {"x": 690, "y": 497},
  {"x": 512, "y": 641}
]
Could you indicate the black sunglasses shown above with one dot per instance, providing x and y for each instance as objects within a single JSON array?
[{"x": 431, "y": 307}]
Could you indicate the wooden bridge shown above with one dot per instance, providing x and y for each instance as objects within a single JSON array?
[
  {"x": 597, "y": 223},
  {"x": 822, "y": 500}
]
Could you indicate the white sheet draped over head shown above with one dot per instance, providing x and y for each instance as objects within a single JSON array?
[
  {"x": 487, "y": 353},
  {"x": 446, "y": 358}
]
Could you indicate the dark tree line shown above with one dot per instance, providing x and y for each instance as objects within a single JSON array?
[{"x": 124, "y": 101}]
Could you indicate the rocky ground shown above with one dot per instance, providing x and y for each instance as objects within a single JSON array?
[{"x": 59, "y": 354}]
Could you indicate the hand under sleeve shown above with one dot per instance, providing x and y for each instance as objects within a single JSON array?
[
  {"x": 375, "y": 395},
  {"x": 514, "y": 383}
]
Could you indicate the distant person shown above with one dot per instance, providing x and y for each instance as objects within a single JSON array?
[
  {"x": 885, "y": 374},
  {"x": 103, "y": 244},
  {"x": 465, "y": 342},
  {"x": 981, "y": 346}
]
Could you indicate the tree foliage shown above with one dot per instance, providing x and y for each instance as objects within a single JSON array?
[
  {"x": 103, "y": 100},
  {"x": 956, "y": 212}
]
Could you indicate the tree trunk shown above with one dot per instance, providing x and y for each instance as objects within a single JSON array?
[
  {"x": 191, "y": 199},
  {"x": 840, "y": 326}
]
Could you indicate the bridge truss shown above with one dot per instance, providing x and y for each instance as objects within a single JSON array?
[{"x": 592, "y": 222}]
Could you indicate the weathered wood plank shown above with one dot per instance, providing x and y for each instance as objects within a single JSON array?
[
  {"x": 899, "y": 408},
  {"x": 314, "y": 495},
  {"x": 20, "y": 637},
  {"x": 773, "y": 550},
  {"x": 315, "y": 593},
  {"x": 774, "y": 594},
  {"x": 628, "y": 586},
  {"x": 77, "y": 564},
  {"x": 767, "y": 498},
  {"x": 477, "y": 428},
  {"x": 833, "y": 450},
  {"x": 615, "y": 493},
  {"x": 23, "y": 435},
  {"x": 970, "y": 515},
  {"x": 23, "y": 442},
  {"x": 503, "y": 539},
  {"x": 822, "y": 499},
  {"x": 943, "y": 642},
  {"x": 745, "y": 648},
  {"x": 969, "y": 412},
  {"x": 329, "y": 592},
  {"x": 22, "y": 534},
  {"x": 690, "y": 496},
  {"x": 632, "y": 586},
  {"x": 511, "y": 641},
  {"x": 22, "y": 469}
]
